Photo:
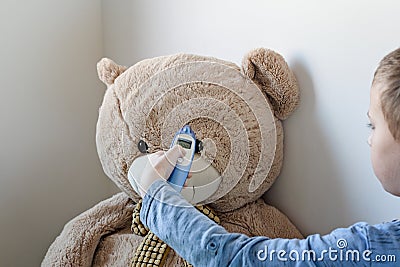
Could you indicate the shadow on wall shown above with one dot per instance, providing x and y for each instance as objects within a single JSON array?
[{"x": 308, "y": 189}]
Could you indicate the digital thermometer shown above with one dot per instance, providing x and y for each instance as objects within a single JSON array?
[
  {"x": 205, "y": 178},
  {"x": 186, "y": 138}
]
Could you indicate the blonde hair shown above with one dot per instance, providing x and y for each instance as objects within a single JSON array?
[{"x": 388, "y": 72}]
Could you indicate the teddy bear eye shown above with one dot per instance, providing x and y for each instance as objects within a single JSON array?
[
  {"x": 142, "y": 146},
  {"x": 199, "y": 146}
]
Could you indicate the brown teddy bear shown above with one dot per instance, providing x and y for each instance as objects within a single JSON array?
[{"x": 236, "y": 115}]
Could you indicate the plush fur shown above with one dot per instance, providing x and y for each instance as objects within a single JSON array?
[{"x": 236, "y": 113}]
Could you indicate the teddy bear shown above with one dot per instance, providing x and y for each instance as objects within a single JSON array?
[{"x": 236, "y": 114}]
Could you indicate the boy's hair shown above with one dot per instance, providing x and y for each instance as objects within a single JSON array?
[{"x": 388, "y": 72}]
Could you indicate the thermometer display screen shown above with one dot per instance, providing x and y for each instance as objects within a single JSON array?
[{"x": 184, "y": 143}]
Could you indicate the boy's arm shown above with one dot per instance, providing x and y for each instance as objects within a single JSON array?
[{"x": 204, "y": 243}]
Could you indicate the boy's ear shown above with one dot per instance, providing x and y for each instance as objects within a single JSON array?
[{"x": 271, "y": 73}]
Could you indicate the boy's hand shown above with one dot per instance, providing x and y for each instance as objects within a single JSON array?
[{"x": 159, "y": 166}]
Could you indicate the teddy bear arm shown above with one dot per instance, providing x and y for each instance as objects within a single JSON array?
[
  {"x": 76, "y": 244},
  {"x": 259, "y": 219},
  {"x": 271, "y": 222}
]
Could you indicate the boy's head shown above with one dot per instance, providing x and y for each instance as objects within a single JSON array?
[{"x": 384, "y": 115}]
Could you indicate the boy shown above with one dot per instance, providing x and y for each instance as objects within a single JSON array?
[{"x": 204, "y": 243}]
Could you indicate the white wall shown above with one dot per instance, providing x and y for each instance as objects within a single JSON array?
[
  {"x": 333, "y": 48},
  {"x": 50, "y": 94}
]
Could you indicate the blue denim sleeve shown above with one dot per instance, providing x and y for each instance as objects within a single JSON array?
[{"x": 204, "y": 243}]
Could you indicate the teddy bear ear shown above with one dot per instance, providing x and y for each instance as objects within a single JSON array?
[
  {"x": 271, "y": 73},
  {"x": 108, "y": 70}
]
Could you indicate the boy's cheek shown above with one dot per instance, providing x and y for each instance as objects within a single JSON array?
[
  {"x": 390, "y": 179},
  {"x": 385, "y": 157},
  {"x": 376, "y": 164},
  {"x": 378, "y": 155}
]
